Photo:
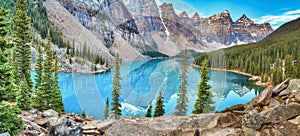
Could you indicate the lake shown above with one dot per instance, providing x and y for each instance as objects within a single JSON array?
[{"x": 143, "y": 80}]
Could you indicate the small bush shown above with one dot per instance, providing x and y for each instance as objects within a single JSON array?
[
  {"x": 238, "y": 107},
  {"x": 9, "y": 120}
]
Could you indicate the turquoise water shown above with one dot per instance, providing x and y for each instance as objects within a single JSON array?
[{"x": 141, "y": 83}]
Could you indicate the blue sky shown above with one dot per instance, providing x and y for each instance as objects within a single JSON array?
[{"x": 276, "y": 12}]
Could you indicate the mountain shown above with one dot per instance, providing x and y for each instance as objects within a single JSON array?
[
  {"x": 84, "y": 32},
  {"x": 143, "y": 26},
  {"x": 276, "y": 56}
]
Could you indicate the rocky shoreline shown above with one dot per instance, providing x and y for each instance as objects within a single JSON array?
[{"x": 275, "y": 112}]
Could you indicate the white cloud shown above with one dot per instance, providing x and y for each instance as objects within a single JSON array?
[
  {"x": 277, "y": 20},
  {"x": 292, "y": 12}
]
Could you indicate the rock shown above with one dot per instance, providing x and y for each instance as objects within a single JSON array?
[
  {"x": 50, "y": 113},
  {"x": 265, "y": 97},
  {"x": 297, "y": 98},
  {"x": 75, "y": 131},
  {"x": 103, "y": 125},
  {"x": 89, "y": 118},
  {"x": 295, "y": 121},
  {"x": 283, "y": 112},
  {"x": 89, "y": 127},
  {"x": 277, "y": 89},
  {"x": 131, "y": 129},
  {"x": 79, "y": 119},
  {"x": 4, "y": 134},
  {"x": 287, "y": 128},
  {"x": 43, "y": 122},
  {"x": 271, "y": 132},
  {"x": 221, "y": 132},
  {"x": 33, "y": 111},
  {"x": 253, "y": 120},
  {"x": 293, "y": 87},
  {"x": 91, "y": 132},
  {"x": 58, "y": 126},
  {"x": 249, "y": 132}
]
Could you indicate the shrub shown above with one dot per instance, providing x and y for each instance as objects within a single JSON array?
[{"x": 9, "y": 120}]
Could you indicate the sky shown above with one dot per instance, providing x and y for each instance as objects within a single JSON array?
[{"x": 276, "y": 12}]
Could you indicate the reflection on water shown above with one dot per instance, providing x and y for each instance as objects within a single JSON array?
[{"x": 142, "y": 81}]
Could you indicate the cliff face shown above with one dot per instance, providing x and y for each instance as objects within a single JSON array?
[{"x": 145, "y": 27}]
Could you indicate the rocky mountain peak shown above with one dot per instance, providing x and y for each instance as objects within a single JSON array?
[
  {"x": 244, "y": 19},
  {"x": 196, "y": 16},
  {"x": 184, "y": 14},
  {"x": 167, "y": 7}
]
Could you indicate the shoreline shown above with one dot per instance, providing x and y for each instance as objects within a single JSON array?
[{"x": 256, "y": 79}]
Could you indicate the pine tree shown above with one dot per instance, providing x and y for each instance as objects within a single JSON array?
[
  {"x": 149, "y": 111},
  {"x": 23, "y": 99},
  {"x": 43, "y": 92},
  {"x": 7, "y": 86},
  {"x": 204, "y": 101},
  {"x": 56, "y": 103},
  {"x": 116, "y": 110},
  {"x": 22, "y": 41},
  {"x": 159, "y": 107},
  {"x": 106, "y": 110},
  {"x": 181, "y": 107},
  {"x": 39, "y": 66},
  {"x": 83, "y": 114}
]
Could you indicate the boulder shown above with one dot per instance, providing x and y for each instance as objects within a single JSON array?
[
  {"x": 58, "y": 126},
  {"x": 4, "y": 134},
  {"x": 89, "y": 127},
  {"x": 221, "y": 132},
  {"x": 75, "y": 131},
  {"x": 132, "y": 129},
  {"x": 265, "y": 97},
  {"x": 294, "y": 85},
  {"x": 50, "y": 113},
  {"x": 277, "y": 89},
  {"x": 271, "y": 132},
  {"x": 283, "y": 112},
  {"x": 253, "y": 120},
  {"x": 33, "y": 111},
  {"x": 295, "y": 121},
  {"x": 43, "y": 122}
]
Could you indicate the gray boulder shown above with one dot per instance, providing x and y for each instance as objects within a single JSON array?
[
  {"x": 50, "y": 113},
  {"x": 5, "y": 134},
  {"x": 58, "y": 126},
  {"x": 283, "y": 112},
  {"x": 265, "y": 97},
  {"x": 253, "y": 120}
]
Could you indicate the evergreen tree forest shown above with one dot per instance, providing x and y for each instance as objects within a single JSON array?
[
  {"x": 47, "y": 84},
  {"x": 276, "y": 57},
  {"x": 16, "y": 87}
]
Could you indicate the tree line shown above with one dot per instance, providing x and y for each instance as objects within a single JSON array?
[
  {"x": 274, "y": 59},
  {"x": 17, "y": 91}
]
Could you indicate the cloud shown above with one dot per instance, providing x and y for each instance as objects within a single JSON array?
[
  {"x": 292, "y": 12},
  {"x": 279, "y": 19}
]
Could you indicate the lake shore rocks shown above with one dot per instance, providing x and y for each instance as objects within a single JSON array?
[{"x": 268, "y": 114}]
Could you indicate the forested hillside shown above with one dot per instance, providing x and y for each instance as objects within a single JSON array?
[
  {"x": 39, "y": 21},
  {"x": 276, "y": 57}
]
